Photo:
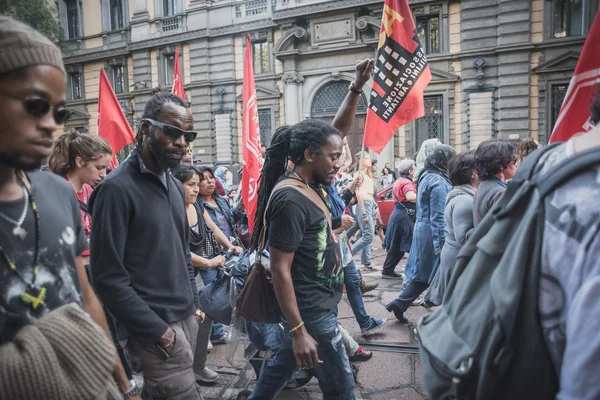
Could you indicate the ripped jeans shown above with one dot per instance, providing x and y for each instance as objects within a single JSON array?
[{"x": 334, "y": 374}]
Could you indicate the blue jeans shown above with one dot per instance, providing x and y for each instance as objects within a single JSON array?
[
  {"x": 352, "y": 282},
  {"x": 334, "y": 374},
  {"x": 367, "y": 230},
  {"x": 208, "y": 276},
  {"x": 410, "y": 292}
]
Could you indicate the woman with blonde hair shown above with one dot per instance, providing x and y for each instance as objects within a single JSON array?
[
  {"x": 82, "y": 159},
  {"x": 366, "y": 204}
]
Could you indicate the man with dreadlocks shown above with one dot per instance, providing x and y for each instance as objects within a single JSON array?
[
  {"x": 306, "y": 262},
  {"x": 140, "y": 264}
]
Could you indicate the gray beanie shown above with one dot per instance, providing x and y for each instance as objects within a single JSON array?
[{"x": 22, "y": 46}]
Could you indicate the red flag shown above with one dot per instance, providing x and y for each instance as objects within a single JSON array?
[
  {"x": 112, "y": 123},
  {"x": 574, "y": 116},
  {"x": 401, "y": 75},
  {"x": 250, "y": 140},
  {"x": 177, "y": 82}
]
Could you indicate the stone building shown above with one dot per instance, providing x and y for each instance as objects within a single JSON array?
[{"x": 500, "y": 67}]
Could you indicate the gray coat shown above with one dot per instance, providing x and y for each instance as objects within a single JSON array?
[{"x": 459, "y": 226}]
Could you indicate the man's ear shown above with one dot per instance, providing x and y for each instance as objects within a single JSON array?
[{"x": 308, "y": 155}]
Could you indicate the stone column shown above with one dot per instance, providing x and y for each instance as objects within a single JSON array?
[{"x": 292, "y": 100}]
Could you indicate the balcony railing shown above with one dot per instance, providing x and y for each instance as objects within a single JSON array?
[
  {"x": 170, "y": 24},
  {"x": 252, "y": 8}
]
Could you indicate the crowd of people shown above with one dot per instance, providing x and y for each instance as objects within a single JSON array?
[{"x": 101, "y": 273}]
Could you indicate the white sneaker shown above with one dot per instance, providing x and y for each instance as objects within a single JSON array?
[
  {"x": 210, "y": 346},
  {"x": 207, "y": 375}
]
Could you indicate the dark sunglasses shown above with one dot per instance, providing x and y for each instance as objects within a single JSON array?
[
  {"x": 38, "y": 107},
  {"x": 173, "y": 132}
]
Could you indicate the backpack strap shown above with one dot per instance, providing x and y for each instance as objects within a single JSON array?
[{"x": 566, "y": 169}]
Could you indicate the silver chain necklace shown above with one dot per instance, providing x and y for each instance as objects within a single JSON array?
[{"x": 18, "y": 230}]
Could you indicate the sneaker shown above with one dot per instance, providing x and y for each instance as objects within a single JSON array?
[
  {"x": 210, "y": 346},
  {"x": 219, "y": 340},
  {"x": 398, "y": 313},
  {"x": 361, "y": 355},
  {"x": 367, "y": 266},
  {"x": 391, "y": 275},
  {"x": 207, "y": 375},
  {"x": 419, "y": 301},
  {"x": 373, "y": 327}
]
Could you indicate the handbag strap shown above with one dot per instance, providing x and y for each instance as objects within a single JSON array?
[{"x": 307, "y": 192}]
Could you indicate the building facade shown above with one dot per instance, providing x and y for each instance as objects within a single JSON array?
[{"x": 500, "y": 67}]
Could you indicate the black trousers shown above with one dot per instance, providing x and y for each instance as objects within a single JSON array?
[{"x": 391, "y": 261}]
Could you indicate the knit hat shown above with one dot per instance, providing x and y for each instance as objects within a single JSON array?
[{"x": 22, "y": 46}]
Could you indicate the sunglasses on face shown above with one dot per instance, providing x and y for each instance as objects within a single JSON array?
[
  {"x": 173, "y": 132},
  {"x": 38, "y": 107}
]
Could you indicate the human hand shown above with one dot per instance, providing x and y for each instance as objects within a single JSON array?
[
  {"x": 355, "y": 184},
  {"x": 366, "y": 219},
  {"x": 347, "y": 221},
  {"x": 305, "y": 349},
  {"x": 363, "y": 72},
  {"x": 167, "y": 340},
  {"x": 236, "y": 250},
  {"x": 217, "y": 261}
]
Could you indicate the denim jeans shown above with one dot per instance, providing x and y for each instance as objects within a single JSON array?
[
  {"x": 409, "y": 293},
  {"x": 334, "y": 374},
  {"x": 208, "y": 276},
  {"x": 352, "y": 282},
  {"x": 367, "y": 230}
]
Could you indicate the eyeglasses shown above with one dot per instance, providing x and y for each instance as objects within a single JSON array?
[
  {"x": 173, "y": 132},
  {"x": 38, "y": 107}
]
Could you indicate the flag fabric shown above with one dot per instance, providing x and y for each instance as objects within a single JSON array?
[
  {"x": 177, "y": 82},
  {"x": 574, "y": 115},
  {"x": 251, "y": 151},
  {"x": 112, "y": 123},
  {"x": 400, "y": 76}
]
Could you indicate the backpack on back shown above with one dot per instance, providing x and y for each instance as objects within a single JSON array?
[{"x": 486, "y": 341}]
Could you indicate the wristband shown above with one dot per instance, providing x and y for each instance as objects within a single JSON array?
[{"x": 300, "y": 325}]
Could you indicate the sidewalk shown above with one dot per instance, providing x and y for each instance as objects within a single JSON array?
[{"x": 392, "y": 374}]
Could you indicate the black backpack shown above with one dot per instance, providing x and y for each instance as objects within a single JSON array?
[{"x": 486, "y": 342}]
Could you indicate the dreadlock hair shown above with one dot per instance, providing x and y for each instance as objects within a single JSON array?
[
  {"x": 288, "y": 143},
  {"x": 154, "y": 106},
  {"x": 74, "y": 144}
]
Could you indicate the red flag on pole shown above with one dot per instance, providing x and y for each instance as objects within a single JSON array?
[
  {"x": 250, "y": 139},
  {"x": 401, "y": 75},
  {"x": 574, "y": 116},
  {"x": 177, "y": 82},
  {"x": 112, "y": 123}
]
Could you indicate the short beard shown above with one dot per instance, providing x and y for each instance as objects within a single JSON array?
[
  {"x": 15, "y": 161},
  {"x": 159, "y": 154}
]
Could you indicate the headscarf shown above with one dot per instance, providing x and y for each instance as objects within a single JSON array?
[
  {"x": 426, "y": 150},
  {"x": 219, "y": 173},
  {"x": 437, "y": 162}
]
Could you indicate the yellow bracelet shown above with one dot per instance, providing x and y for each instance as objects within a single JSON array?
[{"x": 297, "y": 327}]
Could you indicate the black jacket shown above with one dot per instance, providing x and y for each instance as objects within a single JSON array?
[{"x": 140, "y": 259}]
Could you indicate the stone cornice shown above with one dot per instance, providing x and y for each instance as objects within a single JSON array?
[
  {"x": 95, "y": 54},
  {"x": 320, "y": 8}
]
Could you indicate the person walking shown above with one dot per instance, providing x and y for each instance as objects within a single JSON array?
[
  {"x": 140, "y": 256},
  {"x": 495, "y": 162},
  {"x": 430, "y": 233},
  {"x": 425, "y": 151},
  {"x": 366, "y": 205},
  {"x": 387, "y": 179},
  {"x": 399, "y": 235},
  {"x": 392, "y": 171},
  {"x": 46, "y": 300},
  {"x": 458, "y": 214}
]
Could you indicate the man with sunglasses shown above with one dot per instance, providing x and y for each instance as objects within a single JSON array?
[
  {"x": 42, "y": 273},
  {"x": 140, "y": 258}
]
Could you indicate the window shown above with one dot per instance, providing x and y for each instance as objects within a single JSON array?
[
  {"x": 431, "y": 125},
  {"x": 568, "y": 18},
  {"x": 74, "y": 86},
  {"x": 169, "y": 68},
  {"x": 330, "y": 97},
  {"x": 168, "y": 7},
  {"x": 261, "y": 57},
  {"x": 557, "y": 93},
  {"x": 72, "y": 19},
  {"x": 428, "y": 30},
  {"x": 264, "y": 121},
  {"x": 118, "y": 78},
  {"x": 116, "y": 15}
]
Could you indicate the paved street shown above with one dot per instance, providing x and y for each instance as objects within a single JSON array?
[{"x": 392, "y": 374}]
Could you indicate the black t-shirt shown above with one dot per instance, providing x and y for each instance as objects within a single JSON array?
[
  {"x": 62, "y": 239},
  {"x": 297, "y": 225}
]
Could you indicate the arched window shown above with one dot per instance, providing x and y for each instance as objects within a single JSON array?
[{"x": 330, "y": 97}]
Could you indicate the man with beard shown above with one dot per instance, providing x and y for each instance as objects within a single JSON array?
[
  {"x": 140, "y": 257},
  {"x": 43, "y": 281}
]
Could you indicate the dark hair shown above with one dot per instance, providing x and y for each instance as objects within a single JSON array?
[
  {"x": 492, "y": 156},
  {"x": 461, "y": 168},
  {"x": 383, "y": 170},
  {"x": 595, "y": 108},
  {"x": 202, "y": 170},
  {"x": 184, "y": 172},
  {"x": 288, "y": 143},
  {"x": 525, "y": 147},
  {"x": 154, "y": 106}
]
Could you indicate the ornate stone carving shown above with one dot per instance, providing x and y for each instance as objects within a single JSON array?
[
  {"x": 363, "y": 23},
  {"x": 292, "y": 77},
  {"x": 435, "y": 8},
  {"x": 418, "y": 10},
  {"x": 297, "y": 32},
  {"x": 323, "y": 7}
]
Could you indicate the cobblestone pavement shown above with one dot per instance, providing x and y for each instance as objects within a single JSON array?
[{"x": 394, "y": 372}]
